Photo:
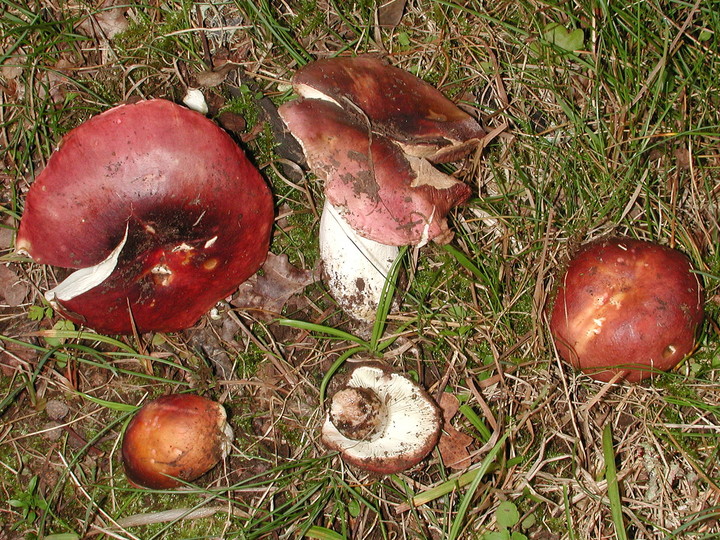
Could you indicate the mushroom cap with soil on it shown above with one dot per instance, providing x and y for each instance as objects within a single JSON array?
[
  {"x": 396, "y": 104},
  {"x": 627, "y": 307},
  {"x": 160, "y": 210},
  {"x": 174, "y": 439},
  {"x": 381, "y": 421},
  {"x": 377, "y": 198}
]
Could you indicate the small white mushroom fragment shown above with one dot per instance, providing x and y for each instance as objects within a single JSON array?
[{"x": 381, "y": 421}]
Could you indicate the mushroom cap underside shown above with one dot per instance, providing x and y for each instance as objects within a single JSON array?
[{"x": 410, "y": 432}]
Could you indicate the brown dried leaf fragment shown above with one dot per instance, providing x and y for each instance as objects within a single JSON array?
[
  {"x": 453, "y": 444},
  {"x": 390, "y": 13},
  {"x": 107, "y": 22},
  {"x": 12, "y": 288},
  {"x": 268, "y": 291}
]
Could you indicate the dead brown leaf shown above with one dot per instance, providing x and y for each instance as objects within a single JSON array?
[
  {"x": 213, "y": 77},
  {"x": 453, "y": 444},
  {"x": 268, "y": 291},
  {"x": 233, "y": 122},
  {"x": 13, "y": 289},
  {"x": 107, "y": 22},
  {"x": 390, "y": 13}
]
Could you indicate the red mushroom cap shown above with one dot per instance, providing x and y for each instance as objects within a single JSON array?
[
  {"x": 384, "y": 194},
  {"x": 398, "y": 105},
  {"x": 197, "y": 214},
  {"x": 173, "y": 438},
  {"x": 626, "y": 303}
]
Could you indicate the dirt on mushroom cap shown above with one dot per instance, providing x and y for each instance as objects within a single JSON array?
[
  {"x": 197, "y": 213},
  {"x": 386, "y": 196}
]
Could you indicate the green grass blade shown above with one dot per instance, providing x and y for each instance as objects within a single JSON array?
[
  {"x": 612, "y": 484},
  {"x": 459, "y": 518},
  {"x": 472, "y": 477},
  {"x": 323, "y": 533},
  {"x": 321, "y": 329},
  {"x": 386, "y": 298}
]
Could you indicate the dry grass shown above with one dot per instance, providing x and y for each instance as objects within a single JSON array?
[{"x": 620, "y": 137}]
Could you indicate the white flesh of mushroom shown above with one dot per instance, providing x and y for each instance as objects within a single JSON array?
[
  {"x": 355, "y": 268},
  {"x": 195, "y": 100},
  {"x": 412, "y": 420},
  {"x": 81, "y": 281}
]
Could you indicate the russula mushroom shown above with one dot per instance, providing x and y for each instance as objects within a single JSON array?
[
  {"x": 174, "y": 439},
  {"x": 381, "y": 421},
  {"x": 396, "y": 103},
  {"x": 160, "y": 210},
  {"x": 628, "y": 307},
  {"x": 368, "y": 129}
]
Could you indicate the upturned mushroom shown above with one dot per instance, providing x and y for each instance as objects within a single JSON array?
[
  {"x": 381, "y": 421},
  {"x": 158, "y": 208},
  {"x": 369, "y": 130},
  {"x": 395, "y": 102},
  {"x": 175, "y": 439},
  {"x": 627, "y": 308}
]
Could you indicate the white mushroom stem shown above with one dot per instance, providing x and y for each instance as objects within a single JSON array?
[{"x": 355, "y": 268}]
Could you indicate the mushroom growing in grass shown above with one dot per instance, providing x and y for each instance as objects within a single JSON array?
[
  {"x": 369, "y": 130},
  {"x": 627, "y": 308},
  {"x": 158, "y": 208},
  {"x": 381, "y": 421},
  {"x": 175, "y": 439}
]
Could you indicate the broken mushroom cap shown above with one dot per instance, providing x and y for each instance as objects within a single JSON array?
[
  {"x": 627, "y": 307},
  {"x": 384, "y": 194},
  {"x": 397, "y": 104},
  {"x": 160, "y": 209},
  {"x": 381, "y": 421},
  {"x": 174, "y": 439}
]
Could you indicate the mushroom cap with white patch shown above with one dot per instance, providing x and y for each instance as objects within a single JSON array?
[
  {"x": 396, "y": 103},
  {"x": 160, "y": 210},
  {"x": 384, "y": 194},
  {"x": 410, "y": 431}
]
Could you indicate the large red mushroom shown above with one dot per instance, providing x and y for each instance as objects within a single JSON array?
[
  {"x": 160, "y": 210},
  {"x": 627, "y": 308}
]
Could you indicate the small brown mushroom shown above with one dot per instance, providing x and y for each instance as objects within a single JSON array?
[
  {"x": 174, "y": 439},
  {"x": 627, "y": 307},
  {"x": 159, "y": 209}
]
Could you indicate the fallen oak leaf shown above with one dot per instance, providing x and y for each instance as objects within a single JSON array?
[
  {"x": 213, "y": 77},
  {"x": 390, "y": 13},
  {"x": 453, "y": 444}
]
